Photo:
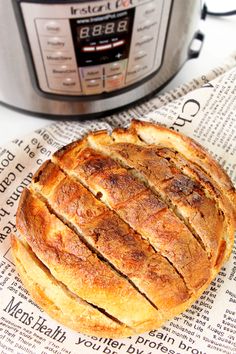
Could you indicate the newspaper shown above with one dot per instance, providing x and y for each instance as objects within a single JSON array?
[{"x": 203, "y": 109}]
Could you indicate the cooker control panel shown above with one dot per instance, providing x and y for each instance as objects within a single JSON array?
[{"x": 90, "y": 48}]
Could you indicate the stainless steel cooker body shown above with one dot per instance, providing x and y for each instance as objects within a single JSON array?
[{"x": 81, "y": 58}]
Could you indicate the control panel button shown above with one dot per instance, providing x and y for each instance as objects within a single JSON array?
[
  {"x": 118, "y": 55},
  {"x": 140, "y": 56},
  {"x": 67, "y": 84},
  {"x": 54, "y": 43},
  {"x": 115, "y": 68},
  {"x": 136, "y": 72},
  {"x": 146, "y": 26},
  {"x": 91, "y": 72},
  {"x": 114, "y": 82},
  {"x": 51, "y": 27},
  {"x": 93, "y": 86},
  {"x": 58, "y": 57},
  {"x": 61, "y": 70},
  {"x": 144, "y": 40},
  {"x": 150, "y": 9}
]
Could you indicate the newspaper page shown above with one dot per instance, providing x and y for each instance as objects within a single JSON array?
[{"x": 203, "y": 109}]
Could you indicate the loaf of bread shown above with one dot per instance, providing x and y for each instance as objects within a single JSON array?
[{"x": 122, "y": 232}]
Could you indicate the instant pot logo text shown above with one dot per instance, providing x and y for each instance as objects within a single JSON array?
[{"x": 100, "y": 8}]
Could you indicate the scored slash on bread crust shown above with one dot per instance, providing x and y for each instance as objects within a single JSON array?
[
  {"x": 133, "y": 225},
  {"x": 73, "y": 264},
  {"x": 161, "y": 136},
  {"x": 57, "y": 300},
  {"x": 177, "y": 189},
  {"x": 107, "y": 233},
  {"x": 160, "y": 226}
]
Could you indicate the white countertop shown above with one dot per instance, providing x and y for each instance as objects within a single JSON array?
[{"x": 218, "y": 44}]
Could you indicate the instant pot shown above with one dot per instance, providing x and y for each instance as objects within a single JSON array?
[{"x": 81, "y": 58}]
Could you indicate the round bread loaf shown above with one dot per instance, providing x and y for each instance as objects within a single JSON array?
[{"x": 123, "y": 231}]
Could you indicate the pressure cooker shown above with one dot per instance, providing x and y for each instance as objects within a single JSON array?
[{"x": 87, "y": 58}]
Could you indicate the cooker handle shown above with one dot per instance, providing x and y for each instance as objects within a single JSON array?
[{"x": 196, "y": 44}]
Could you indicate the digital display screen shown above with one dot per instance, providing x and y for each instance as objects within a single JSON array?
[
  {"x": 102, "y": 39},
  {"x": 103, "y": 29}
]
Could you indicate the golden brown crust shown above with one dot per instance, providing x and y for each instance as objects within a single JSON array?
[
  {"x": 177, "y": 189},
  {"x": 107, "y": 233},
  {"x": 222, "y": 201},
  {"x": 73, "y": 264},
  {"x": 161, "y": 136},
  {"x": 205, "y": 208},
  {"x": 163, "y": 230},
  {"x": 124, "y": 222},
  {"x": 57, "y": 300}
]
